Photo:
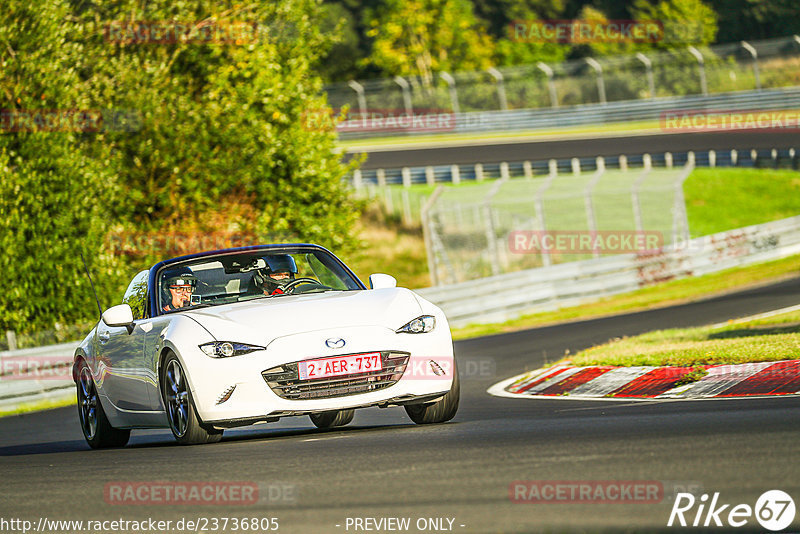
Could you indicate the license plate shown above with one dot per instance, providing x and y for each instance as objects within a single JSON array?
[{"x": 339, "y": 365}]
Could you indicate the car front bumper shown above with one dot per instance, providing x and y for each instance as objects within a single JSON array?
[{"x": 233, "y": 391}]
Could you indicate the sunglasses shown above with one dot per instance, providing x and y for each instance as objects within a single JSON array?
[{"x": 181, "y": 289}]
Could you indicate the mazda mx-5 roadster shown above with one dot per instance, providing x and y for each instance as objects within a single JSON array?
[{"x": 234, "y": 337}]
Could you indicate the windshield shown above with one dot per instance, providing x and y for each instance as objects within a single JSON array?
[{"x": 224, "y": 279}]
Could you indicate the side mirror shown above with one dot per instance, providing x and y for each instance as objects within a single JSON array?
[
  {"x": 119, "y": 315},
  {"x": 381, "y": 281}
]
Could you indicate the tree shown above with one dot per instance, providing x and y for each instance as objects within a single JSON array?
[
  {"x": 422, "y": 37},
  {"x": 53, "y": 195},
  {"x": 217, "y": 141},
  {"x": 685, "y": 21}
]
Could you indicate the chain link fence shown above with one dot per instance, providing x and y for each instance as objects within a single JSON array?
[
  {"x": 485, "y": 229},
  {"x": 677, "y": 72}
]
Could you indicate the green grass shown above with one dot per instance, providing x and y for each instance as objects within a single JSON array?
[
  {"x": 660, "y": 295},
  {"x": 353, "y": 145},
  {"x": 723, "y": 198},
  {"x": 773, "y": 339},
  {"x": 39, "y": 406}
]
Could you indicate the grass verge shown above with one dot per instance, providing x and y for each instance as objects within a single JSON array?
[
  {"x": 354, "y": 145},
  {"x": 38, "y": 406},
  {"x": 660, "y": 295},
  {"x": 722, "y": 199},
  {"x": 764, "y": 340}
]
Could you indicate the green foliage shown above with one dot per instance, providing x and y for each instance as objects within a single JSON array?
[
  {"x": 421, "y": 37},
  {"x": 685, "y": 21},
  {"x": 53, "y": 196},
  {"x": 216, "y": 125}
]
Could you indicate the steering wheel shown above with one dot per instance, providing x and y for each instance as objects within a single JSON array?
[{"x": 297, "y": 281}]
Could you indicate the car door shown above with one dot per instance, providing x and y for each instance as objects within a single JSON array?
[{"x": 121, "y": 353}]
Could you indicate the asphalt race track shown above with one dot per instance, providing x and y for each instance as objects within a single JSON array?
[
  {"x": 383, "y": 466},
  {"x": 567, "y": 148}
]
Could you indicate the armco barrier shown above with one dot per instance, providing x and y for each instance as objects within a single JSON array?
[
  {"x": 507, "y": 296},
  {"x": 37, "y": 374},
  {"x": 495, "y": 298},
  {"x": 613, "y": 112}
]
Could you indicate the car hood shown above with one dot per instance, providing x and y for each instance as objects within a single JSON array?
[{"x": 260, "y": 321}]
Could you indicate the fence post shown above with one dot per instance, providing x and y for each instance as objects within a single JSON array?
[
  {"x": 747, "y": 46},
  {"x": 451, "y": 86},
  {"x": 406, "y": 208},
  {"x": 553, "y": 166},
  {"x": 406, "y": 173},
  {"x": 668, "y": 159},
  {"x": 601, "y": 85},
  {"x": 623, "y": 162},
  {"x": 455, "y": 174},
  {"x": 430, "y": 178},
  {"x": 427, "y": 234},
  {"x": 712, "y": 158},
  {"x": 550, "y": 83},
  {"x": 362, "y": 100},
  {"x": 527, "y": 169},
  {"x": 680, "y": 217},
  {"x": 479, "y": 172},
  {"x": 576, "y": 166},
  {"x": 491, "y": 230},
  {"x": 501, "y": 88},
  {"x": 405, "y": 88},
  {"x": 505, "y": 174},
  {"x": 587, "y": 200},
  {"x": 636, "y": 201},
  {"x": 648, "y": 65},
  {"x": 11, "y": 337},
  {"x": 701, "y": 65}
]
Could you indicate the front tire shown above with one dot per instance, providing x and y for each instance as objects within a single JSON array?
[
  {"x": 332, "y": 418},
  {"x": 440, "y": 411},
  {"x": 96, "y": 428},
  {"x": 181, "y": 413}
]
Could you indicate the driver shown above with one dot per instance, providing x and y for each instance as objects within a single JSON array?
[
  {"x": 179, "y": 284},
  {"x": 272, "y": 279}
]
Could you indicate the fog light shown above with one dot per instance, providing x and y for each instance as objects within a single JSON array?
[
  {"x": 226, "y": 394},
  {"x": 437, "y": 369}
]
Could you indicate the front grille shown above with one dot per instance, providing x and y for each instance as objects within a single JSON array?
[{"x": 285, "y": 382}]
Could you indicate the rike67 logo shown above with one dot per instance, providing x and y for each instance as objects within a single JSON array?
[{"x": 774, "y": 510}]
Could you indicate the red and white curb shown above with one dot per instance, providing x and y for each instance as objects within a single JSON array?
[{"x": 646, "y": 383}]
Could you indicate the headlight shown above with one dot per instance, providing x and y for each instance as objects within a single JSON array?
[
  {"x": 225, "y": 349},
  {"x": 420, "y": 325}
]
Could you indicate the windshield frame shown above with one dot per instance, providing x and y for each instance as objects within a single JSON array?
[{"x": 159, "y": 267}]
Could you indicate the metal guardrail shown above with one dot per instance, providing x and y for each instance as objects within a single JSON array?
[
  {"x": 507, "y": 296},
  {"x": 476, "y": 172},
  {"x": 590, "y": 114},
  {"x": 36, "y": 374},
  {"x": 625, "y": 85}
]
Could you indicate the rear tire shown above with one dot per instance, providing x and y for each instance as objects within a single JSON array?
[
  {"x": 333, "y": 418},
  {"x": 440, "y": 411},
  {"x": 181, "y": 412},
  {"x": 96, "y": 428}
]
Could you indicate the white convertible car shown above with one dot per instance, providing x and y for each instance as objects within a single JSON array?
[{"x": 234, "y": 337}]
